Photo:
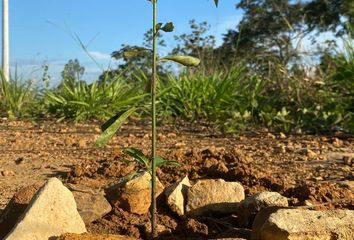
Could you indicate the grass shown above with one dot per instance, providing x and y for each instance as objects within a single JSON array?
[
  {"x": 233, "y": 99},
  {"x": 200, "y": 96},
  {"x": 17, "y": 98},
  {"x": 80, "y": 101}
]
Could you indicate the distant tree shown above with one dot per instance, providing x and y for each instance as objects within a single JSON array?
[
  {"x": 73, "y": 70},
  {"x": 267, "y": 33},
  {"x": 329, "y": 15},
  {"x": 141, "y": 61},
  {"x": 198, "y": 43}
]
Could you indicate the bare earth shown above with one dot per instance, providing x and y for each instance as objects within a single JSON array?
[{"x": 312, "y": 171}]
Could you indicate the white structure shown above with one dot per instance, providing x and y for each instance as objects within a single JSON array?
[{"x": 5, "y": 39}]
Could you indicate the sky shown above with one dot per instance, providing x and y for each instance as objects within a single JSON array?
[{"x": 42, "y": 32}]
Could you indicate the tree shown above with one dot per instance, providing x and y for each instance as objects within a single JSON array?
[
  {"x": 197, "y": 43},
  {"x": 267, "y": 33},
  {"x": 329, "y": 15},
  {"x": 73, "y": 71},
  {"x": 5, "y": 40},
  {"x": 138, "y": 61}
]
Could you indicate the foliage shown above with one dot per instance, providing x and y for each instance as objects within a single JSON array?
[
  {"x": 198, "y": 43},
  {"x": 73, "y": 70},
  {"x": 81, "y": 101},
  {"x": 268, "y": 32},
  {"x": 17, "y": 98},
  {"x": 329, "y": 15},
  {"x": 199, "y": 96}
]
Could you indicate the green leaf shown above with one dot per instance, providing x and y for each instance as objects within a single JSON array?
[
  {"x": 158, "y": 26},
  {"x": 216, "y": 2},
  {"x": 168, "y": 27},
  {"x": 187, "y": 61},
  {"x": 113, "y": 128},
  {"x": 159, "y": 161},
  {"x": 137, "y": 155},
  {"x": 110, "y": 121},
  {"x": 131, "y": 52}
]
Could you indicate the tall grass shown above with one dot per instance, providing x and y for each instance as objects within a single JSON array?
[
  {"x": 284, "y": 99},
  {"x": 79, "y": 101},
  {"x": 17, "y": 97},
  {"x": 193, "y": 96}
]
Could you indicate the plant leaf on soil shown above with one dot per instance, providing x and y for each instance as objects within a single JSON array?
[
  {"x": 112, "y": 125},
  {"x": 138, "y": 155},
  {"x": 159, "y": 161}
]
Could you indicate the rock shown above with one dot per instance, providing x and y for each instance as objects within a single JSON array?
[
  {"x": 348, "y": 184},
  {"x": 215, "y": 168},
  {"x": 82, "y": 143},
  {"x": 176, "y": 195},
  {"x": 195, "y": 229},
  {"x": 235, "y": 233},
  {"x": 134, "y": 195},
  {"x": 180, "y": 145},
  {"x": 171, "y": 135},
  {"x": 16, "y": 207},
  {"x": 90, "y": 236},
  {"x": 255, "y": 203},
  {"x": 282, "y": 135},
  {"x": 272, "y": 136},
  {"x": 306, "y": 151},
  {"x": 160, "y": 229},
  {"x": 229, "y": 239},
  {"x": 214, "y": 196},
  {"x": 305, "y": 225},
  {"x": 51, "y": 212},
  {"x": 91, "y": 204},
  {"x": 260, "y": 219},
  {"x": 7, "y": 173}
]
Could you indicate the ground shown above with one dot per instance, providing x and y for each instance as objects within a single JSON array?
[{"x": 314, "y": 171}]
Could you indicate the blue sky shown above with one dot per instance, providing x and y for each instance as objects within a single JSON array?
[{"x": 41, "y": 31}]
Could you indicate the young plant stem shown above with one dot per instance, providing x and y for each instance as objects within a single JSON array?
[{"x": 153, "y": 127}]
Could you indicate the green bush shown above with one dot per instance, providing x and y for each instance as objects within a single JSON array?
[
  {"x": 17, "y": 98},
  {"x": 79, "y": 101},
  {"x": 196, "y": 96}
]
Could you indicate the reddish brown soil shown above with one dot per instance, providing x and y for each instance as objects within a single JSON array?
[{"x": 313, "y": 171}]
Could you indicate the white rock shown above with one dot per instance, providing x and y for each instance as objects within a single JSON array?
[
  {"x": 214, "y": 196},
  {"x": 285, "y": 224},
  {"x": 255, "y": 203},
  {"x": 51, "y": 212},
  {"x": 176, "y": 195}
]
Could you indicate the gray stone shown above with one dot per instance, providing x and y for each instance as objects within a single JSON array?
[
  {"x": 176, "y": 195},
  {"x": 51, "y": 212},
  {"x": 214, "y": 196},
  {"x": 305, "y": 225},
  {"x": 91, "y": 204},
  {"x": 255, "y": 203}
]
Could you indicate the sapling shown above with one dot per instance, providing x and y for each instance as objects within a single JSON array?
[{"x": 113, "y": 124}]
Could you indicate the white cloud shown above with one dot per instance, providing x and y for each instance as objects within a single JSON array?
[{"x": 100, "y": 55}]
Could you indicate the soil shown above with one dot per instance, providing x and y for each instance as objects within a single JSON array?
[{"x": 313, "y": 171}]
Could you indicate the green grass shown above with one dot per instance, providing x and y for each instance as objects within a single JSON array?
[
  {"x": 233, "y": 99},
  {"x": 17, "y": 98},
  {"x": 199, "y": 96},
  {"x": 80, "y": 101}
]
